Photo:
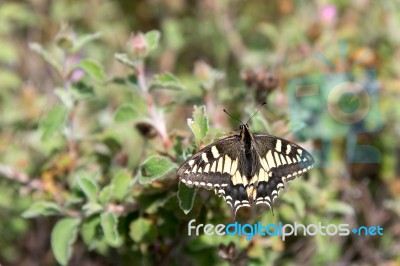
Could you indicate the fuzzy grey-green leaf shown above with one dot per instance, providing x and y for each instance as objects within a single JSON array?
[
  {"x": 124, "y": 59},
  {"x": 143, "y": 230},
  {"x": 53, "y": 120},
  {"x": 125, "y": 113},
  {"x": 63, "y": 236},
  {"x": 167, "y": 81},
  {"x": 186, "y": 196},
  {"x": 89, "y": 229},
  {"x": 199, "y": 123},
  {"x": 65, "y": 97},
  {"x": 152, "y": 39},
  {"x": 155, "y": 167},
  {"x": 105, "y": 194},
  {"x": 338, "y": 207},
  {"x": 42, "y": 208},
  {"x": 120, "y": 184},
  {"x": 91, "y": 208},
  {"x": 109, "y": 224},
  {"x": 93, "y": 69},
  {"x": 88, "y": 185},
  {"x": 84, "y": 39},
  {"x": 38, "y": 48}
]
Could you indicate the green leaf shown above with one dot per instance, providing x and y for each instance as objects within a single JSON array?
[
  {"x": 288, "y": 213},
  {"x": 9, "y": 52},
  {"x": 63, "y": 236},
  {"x": 10, "y": 80},
  {"x": 186, "y": 196},
  {"x": 84, "y": 39},
  {"x": 120, "y": 184},
  {"x": 338, "y": 207},
  {"x": 155, "y": 167},
  {"x": 109, "y": 224},
  {"x": 152, "y": 39},
  {"x": 15, "y": 15},
  {"x": 65, "y": 97},
  {"x": 199, "y": 123},
  {"x": 93, "y": 69},
  {"x": 173, "y": 34},
  {"x": 81, "y": 91},
  {"x": 91, "y": 208},
  {"x": 166, "y": 78},
  {"x": 88, "y": 185},
  {"x": 125, "y": 113},
  {"x": 297, "y": 202},
  {"x": 90, "y": 229},
  {"x": 42, "y": 208},
  {"x": 143, "y": 230},
  {"x": 167, "y": 81},
  {"x": 124, "y": 59},
  {"x": 105, "y": 194},
  {"x": 37, "y": 48},
  {"x": 54, "y": 119},
  {"x": 154, "y": 204}
]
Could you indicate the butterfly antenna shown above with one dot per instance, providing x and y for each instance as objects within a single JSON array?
[
  {"x": 237, "y": 119},
  {"x": 264, "y": 103}
]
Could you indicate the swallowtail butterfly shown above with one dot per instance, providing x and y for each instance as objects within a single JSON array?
[{"x": 246, "y": 168}]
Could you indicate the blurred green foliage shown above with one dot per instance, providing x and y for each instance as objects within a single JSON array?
[{"x": 96, "y": 116}]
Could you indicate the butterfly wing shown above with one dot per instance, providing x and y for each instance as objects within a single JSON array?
[
  {"x": 279, "y": 161},
  {"x": 219, "y": 166},
  {"x": 212, "y": 166}
]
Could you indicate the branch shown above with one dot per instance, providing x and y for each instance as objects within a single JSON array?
[
  {"x": 226, "y": 24},
  {"x": 157, "y": 118},
  {"x": 122, "y": 209},
  {"x": 20, "y": 177}
]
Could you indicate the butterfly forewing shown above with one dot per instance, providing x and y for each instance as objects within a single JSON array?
[{"x": 284, "y": 158}]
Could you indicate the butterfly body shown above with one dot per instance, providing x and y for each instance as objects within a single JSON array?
[{"x": 246, "y": 168}]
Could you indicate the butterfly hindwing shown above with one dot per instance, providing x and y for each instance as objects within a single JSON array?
[{"x": 236, "y": 196}]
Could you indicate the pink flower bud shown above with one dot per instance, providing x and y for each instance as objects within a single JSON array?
[
  {"x": 328, "y": 14},
  {"x": 202, "y": 70},
  {"x": 77, "y": 75},
  {"x": 138, "y": 44}
]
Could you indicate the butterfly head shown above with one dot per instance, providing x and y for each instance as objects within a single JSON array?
[
  {"x": 243, "y": 127},
  {"x": 245, "y": 131}
]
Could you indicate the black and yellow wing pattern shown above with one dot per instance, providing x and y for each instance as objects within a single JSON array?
[{"x": 246, "y": 168}]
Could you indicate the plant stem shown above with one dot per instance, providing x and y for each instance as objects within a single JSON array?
[
  {"x": 71, "y": 114},
  {"x": 15, "y": 175},
  {"x": 158, "y": 119}
]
